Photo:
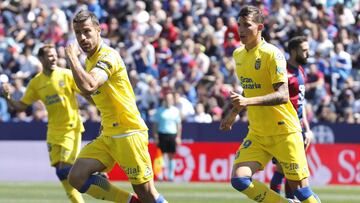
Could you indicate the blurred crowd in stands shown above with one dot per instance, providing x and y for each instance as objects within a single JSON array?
[{"x": 185, "y": 46}]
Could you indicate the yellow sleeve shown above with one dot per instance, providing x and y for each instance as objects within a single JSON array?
[
  {"x": 277, "y": 67},
  {"x": 30, "y": 95},
  {"x": 108, "y": 63}
]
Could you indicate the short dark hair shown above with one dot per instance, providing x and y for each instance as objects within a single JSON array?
[
  {"x": 253, "y": 12},
  {"x": 295, "y": 42},
  {"x": 84, "y": 15},
  {"x": 44, "y": 48}
]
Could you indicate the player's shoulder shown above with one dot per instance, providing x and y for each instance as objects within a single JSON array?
[
  {"x": 238, "y": 50},
  {"x": 108, "y": 53},
  {"x": 62, "y": 70},
  {"x": 272, "y": 50},
  {"x": 35, "y": 79}
]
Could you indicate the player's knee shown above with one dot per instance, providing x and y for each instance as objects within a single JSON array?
[
  {"x": 240, "y": 183},
  {"x": 62, "y": 173}
]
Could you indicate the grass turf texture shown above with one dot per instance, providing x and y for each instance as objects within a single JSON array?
[{"x": 33, "y": 192}]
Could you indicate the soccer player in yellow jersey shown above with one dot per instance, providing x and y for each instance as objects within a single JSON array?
[
  {"x": 123, "y": 138},
  {"x": 274, "y": 129},
  {"x": 56, "y": 88}
]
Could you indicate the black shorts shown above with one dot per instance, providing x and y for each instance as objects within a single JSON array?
[{"x": 167, "y": 142}]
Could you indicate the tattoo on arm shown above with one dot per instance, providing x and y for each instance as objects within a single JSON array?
[{"x": 280, "y": 96}]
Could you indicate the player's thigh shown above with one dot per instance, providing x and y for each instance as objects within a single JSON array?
[
  {"x": 290, "y": 154},
  {"x": 66, "y": 149},
  {"x": 245, "y": 169},
  {"x": 99, "y": 151},
  {"x": 84, "y": 167},
  {"x": 132, "y": 155},
  {"x": 252, "y": 150}
]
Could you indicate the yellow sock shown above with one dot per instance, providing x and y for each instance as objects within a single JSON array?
[
  {"x": 74, "y": 195},
  {"x": 100, "y": 188},
  {"x": 311, "y": 199},
  {"x": 262, "y": 193}
]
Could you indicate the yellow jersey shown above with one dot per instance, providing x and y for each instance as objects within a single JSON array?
[
  {"x": 115, "y": 99},
  {"x": 258, "y": 69},
  {"x": 58, "y": 93}
]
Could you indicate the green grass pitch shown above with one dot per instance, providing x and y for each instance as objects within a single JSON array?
[{"x": 51, "y": 192}]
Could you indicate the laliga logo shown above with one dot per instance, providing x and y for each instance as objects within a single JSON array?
[
  {"x": 185, "y": 164},
  {"x": 320, "y": 174}
]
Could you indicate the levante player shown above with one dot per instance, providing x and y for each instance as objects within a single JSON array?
[{"x": 298, "y": 49}]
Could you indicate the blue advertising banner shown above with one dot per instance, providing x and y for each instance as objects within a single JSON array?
[{"x": 192, "y": 132}]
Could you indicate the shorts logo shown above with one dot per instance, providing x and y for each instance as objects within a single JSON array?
[
  {"x": 260, "y": 197},
  {"x": 148, "y": 172},
  {"x": 290, "y": 166},
  {"x": 247, "y": 144},
  {"x": 279, "y": 56},
  {"x": 257, "y": 63},
  {"x": 132, "y": 172}
]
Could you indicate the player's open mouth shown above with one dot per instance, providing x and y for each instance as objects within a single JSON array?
[{"x": 85, "y": 45}]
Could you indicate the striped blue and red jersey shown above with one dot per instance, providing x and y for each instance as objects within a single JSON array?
[{"x": 296, "y": 82}]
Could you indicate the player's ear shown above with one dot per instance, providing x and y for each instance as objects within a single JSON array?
[{"x": 260, "y": 27}]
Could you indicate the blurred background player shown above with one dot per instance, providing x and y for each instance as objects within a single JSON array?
[
  {"x": 123, "y": 138},
  {"x": 56, "y": 88},
  {"x": 298, "y": 49},
  {"x": 274, "y": 129},
  {"x": 167, "y": 132}
]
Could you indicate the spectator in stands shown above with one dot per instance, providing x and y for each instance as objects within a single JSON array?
[
  {"x": 4, "y": 114},
  {"x": 200, "y": 115},
  {"x": 341, "y": 65},
  {"x": 314, "y": 87},
  {"x": 185, "y": 107},
  {"x": 24, "y": 26}
]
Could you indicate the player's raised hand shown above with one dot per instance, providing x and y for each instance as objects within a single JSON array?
[
  {"x": 227, "y": 122},
  {"x": 237, "y": 100},
  {"x": 72, "y": 50}
]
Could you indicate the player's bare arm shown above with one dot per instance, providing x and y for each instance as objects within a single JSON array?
[
  {"x": 17, "y": 105},
  {"x": 308, "y": 133},
  {"x": 230, "y": 118},
  {"x": 280, "y": 96},
  {"x": 178, "y": 134},
  {"x": 87, "y": 82}
]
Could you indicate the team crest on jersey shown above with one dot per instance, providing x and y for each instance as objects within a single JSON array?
[
  {"x": 61, "y": 83},
  {"x": 257, "y": 63}
]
